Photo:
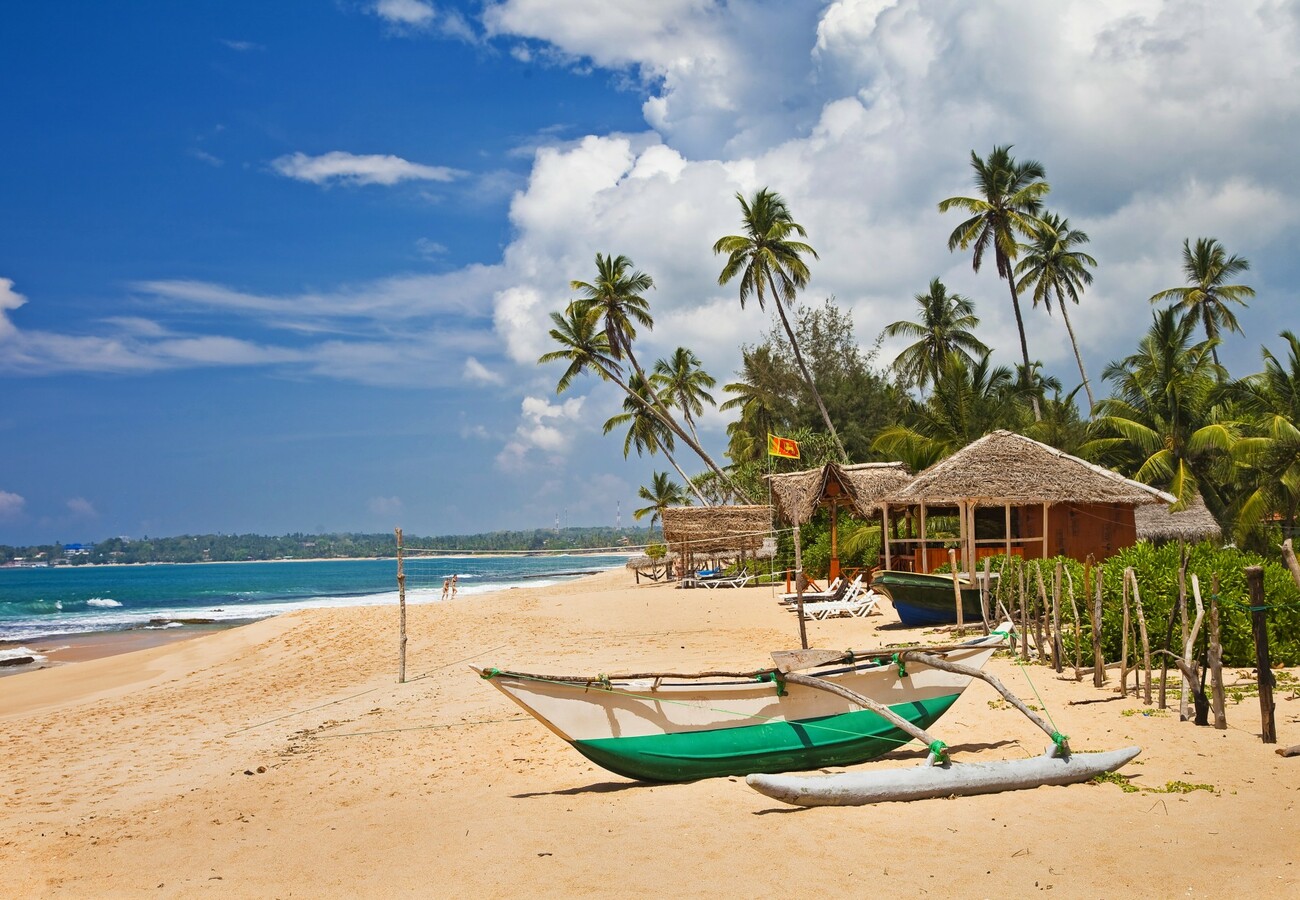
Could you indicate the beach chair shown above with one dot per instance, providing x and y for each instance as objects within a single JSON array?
[
  {"x": 738, "y": 580},
  {"x": 834, "y": 591},
  {"x": 860, "y": 606},
  {"x": 837, "y": 606}
]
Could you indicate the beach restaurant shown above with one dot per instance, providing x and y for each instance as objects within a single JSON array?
[{"x": 1008, "y": 494}]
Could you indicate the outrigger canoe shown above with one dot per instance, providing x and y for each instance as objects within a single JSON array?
[
  {"x": 923, "y": 599},
  {"x": 660, "y": 727}
]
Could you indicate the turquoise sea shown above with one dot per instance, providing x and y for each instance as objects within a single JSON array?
[{"x": 44, "y": 602}]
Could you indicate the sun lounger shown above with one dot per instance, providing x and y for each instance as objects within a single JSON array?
[
  {"x": 860, "y": 606},
  {"x": 834, "y": 591},
  {"x": 740, "y": 579}
]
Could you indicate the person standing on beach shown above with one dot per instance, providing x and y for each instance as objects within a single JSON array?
[
  {"x": 453, "y": 586},
  {"x": 446, "y": 586}
]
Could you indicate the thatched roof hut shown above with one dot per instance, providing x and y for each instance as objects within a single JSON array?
[
  {"x": 714, "y": 530},
  {"x": 797, "y": 495},
  {"x": 1159, "y": 523},
  {"x": 1004, "y": 467},
  {"x": 1010, "y": 494}
]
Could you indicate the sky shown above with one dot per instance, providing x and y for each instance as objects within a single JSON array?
[{"x": 292, "y": 272}]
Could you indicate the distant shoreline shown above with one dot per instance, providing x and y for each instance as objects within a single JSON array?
[{"x": 408, "y": 554}]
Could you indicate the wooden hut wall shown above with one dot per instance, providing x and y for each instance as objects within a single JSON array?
[{"x": 1079, "y": 529}]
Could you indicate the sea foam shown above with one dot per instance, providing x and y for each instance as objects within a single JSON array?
[{"x": 102, "y": 602}]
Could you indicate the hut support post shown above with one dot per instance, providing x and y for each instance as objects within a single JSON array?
[
  {"x": 1045, "y": 553},
  {"x": 798, "y": 587},
  {"x": 401, "y": 604},
  {"x": 922, "y": 563},
  {"x": 1263, "y": 663},
  {"x": 1006, "y": 511},
  {"x": 1216, "y": 658},
  {"x": 884, "y": 534}
]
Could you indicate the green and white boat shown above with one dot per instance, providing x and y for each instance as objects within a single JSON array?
[{"x": 663, "y": 727}]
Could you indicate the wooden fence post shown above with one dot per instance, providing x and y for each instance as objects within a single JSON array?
[
  {"x": 1098, "y": 660},
  {"x": 1123, "y": 641},
  {"x": 956, "y": 590},
  {"x": 1216, "y": 658},
  {"x": 1146, "y": 643},
  {"x": 1259, "y": 628},
  {"x": 1058, "y": 646},
  {"x": 798, "y": 586},
  {"x": 401, "y": 603}
]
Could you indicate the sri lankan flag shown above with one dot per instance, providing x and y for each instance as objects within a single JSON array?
[{"x": 785, "y": 447}]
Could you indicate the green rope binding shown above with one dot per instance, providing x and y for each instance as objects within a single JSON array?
[
  {"x": 940, "y": 751},
  {"x": 489, "y": 674},
  {"x": 902, "y": 664},
  {"x": 773, "y": 677}
]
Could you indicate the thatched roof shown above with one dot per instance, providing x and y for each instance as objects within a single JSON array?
[
  {"x": 1003, "y": 467},
  {"x": 1157, "y": 523},
  {"x": 796, "y": 494},
  {"x": 716, "y": 529},
  {"x": 643, "y": 561}
]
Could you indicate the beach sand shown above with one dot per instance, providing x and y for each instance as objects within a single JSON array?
[{"x": 283, "y": 759}]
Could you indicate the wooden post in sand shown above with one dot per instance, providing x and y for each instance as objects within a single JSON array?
[
  {"x": 956, "y": 591},
  {"x": 1216, "y": 659},
  {"x": 1288, "y": 557},
  {"x": 401, "y": 603},
  {"x": 1058, "y": 646},
  {"x": 984, "y": 595},
  {"x": 1123, "y": 642},
  {"x": 1146, "y": 643},
  {"x": 1263, "y": 664},
  {"x": 1098, "y": 660},
  {"x": 798, "y": 587}
]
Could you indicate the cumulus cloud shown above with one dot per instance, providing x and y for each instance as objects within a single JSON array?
[
  {"x": 477, "y": 372},
  {"x": 543, "y": 427},
  {"x": 411, "y": 13},
  {"x": 11, "y": 505},
  {"x": 351, "y": 168}
]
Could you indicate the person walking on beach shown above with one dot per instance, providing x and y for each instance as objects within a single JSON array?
[
  {"x": 446, "y": 586},
  {"x": 453, "y": 586}
]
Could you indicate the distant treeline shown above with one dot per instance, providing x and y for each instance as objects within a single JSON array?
[{"x": 248, "y": 547}]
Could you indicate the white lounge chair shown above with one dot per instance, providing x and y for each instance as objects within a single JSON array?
[
  {"x": 834, "y": 591},
  {"x": 738, "y": 580},
  {"x": 860, "y": 606}
]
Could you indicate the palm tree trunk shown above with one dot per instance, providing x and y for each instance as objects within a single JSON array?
[
  {"x": 1024, "y": 345},
  {"x": 1087, "y": 388},
  {"x": 686, "y": 478},
  {"x": 807, "y": 377}
]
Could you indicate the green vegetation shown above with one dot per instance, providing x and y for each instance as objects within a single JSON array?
[{"x": 248, "y": 547}]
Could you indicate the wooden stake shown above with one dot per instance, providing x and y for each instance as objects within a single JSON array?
[
  {"x": 1078, "y": 628},
  {"x": 1098, "y": 660},
  {"x": 798, "y": 586},
  {"x": 1146, "y": 644},
  {"x": 1123, "y": 644},
  {"x": 1259, "y": 628},
  {"x": 1216, "y": 659},
  {"x": 1040, "y": 614},
  {"x": 401, "y": 603},
  {"x": 1057, "y": 644},
  {"x": 1288, "y": 557},
  {"x": 1183, "y": 706},
  {"x": 956, "y": 590},
  {"x": 984, "y": 595},
  {"x": 1024, "y": 618}
]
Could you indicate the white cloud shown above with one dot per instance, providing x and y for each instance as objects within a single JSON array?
[
  {"x": 477, "y": 372},
  {"x": 11, "y": 505},
  {"x": 351, "y": 168},
  {"x": 384, "y": 506},
  {"x": 411, "y": 13},
  {"x": 544, "y": 427},
  {"x": 242, "y": 46},
  {"x": 82, "y": 508}
]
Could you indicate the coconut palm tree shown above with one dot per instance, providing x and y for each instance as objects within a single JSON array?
[
  {"x": 1207, "y": 266},
  {"x": 768, "y": 262},
  {"x": 1271, "y": 454},
  {"x": 1010, "y": 196},
  {"x": 661, "y": 494},
  {"x": 1163, "y": 425},
  {"x": 1055, "y": 270},
  {"x": 645, "y": 433},
  {"x": 682, "y": 379},
  {"x": 763, "y": 408},
  {"x": 945, "y": 325}
]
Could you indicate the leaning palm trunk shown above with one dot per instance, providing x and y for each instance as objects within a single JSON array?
[
  {"x": 686, "y": 478},
  {"x": 1024, "y": 345},
  {"x": 1087, "y": 388},
  {"x": 656, "y": 408},
  {"x": 807, "y": 377}
]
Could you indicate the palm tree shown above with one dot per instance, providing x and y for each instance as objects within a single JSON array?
[
  {"x": 768, "y": 262},
  {"x": 968, "y": 402},
  {"x": 944, "y": 328},
  {"x": 1011, "y": 195},
  {"x": 763, "y": 408},
  {"x": 614, "y": 299},
  {"x": 1164, "y": 426},
  {"x": 661, "y": 494},
  {"x": 1271, "y": 455},
  {"x": 1054, "y": 269},
  {"x": 645, "y": 434},
  {"x": 684, "y": 382},
  {"x": 1206, "y": 298}
]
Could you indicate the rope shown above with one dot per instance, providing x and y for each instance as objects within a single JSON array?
[{"x": 1057, "y": 737}]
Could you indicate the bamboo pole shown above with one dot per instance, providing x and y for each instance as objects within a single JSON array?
[
  {"x": 1216, "y": 658},
  {"x": 1263, "y": 664},
  {"x": 401, "y": 603},
  {"x": 1146, "y": 643}
]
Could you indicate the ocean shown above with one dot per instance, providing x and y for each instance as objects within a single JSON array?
[{"x": 46, "y": 602}]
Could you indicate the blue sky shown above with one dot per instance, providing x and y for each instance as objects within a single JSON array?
[{"x": 292, "y": 273}]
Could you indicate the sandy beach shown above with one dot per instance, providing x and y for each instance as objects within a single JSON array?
[{"x": 283, "y": 759}]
